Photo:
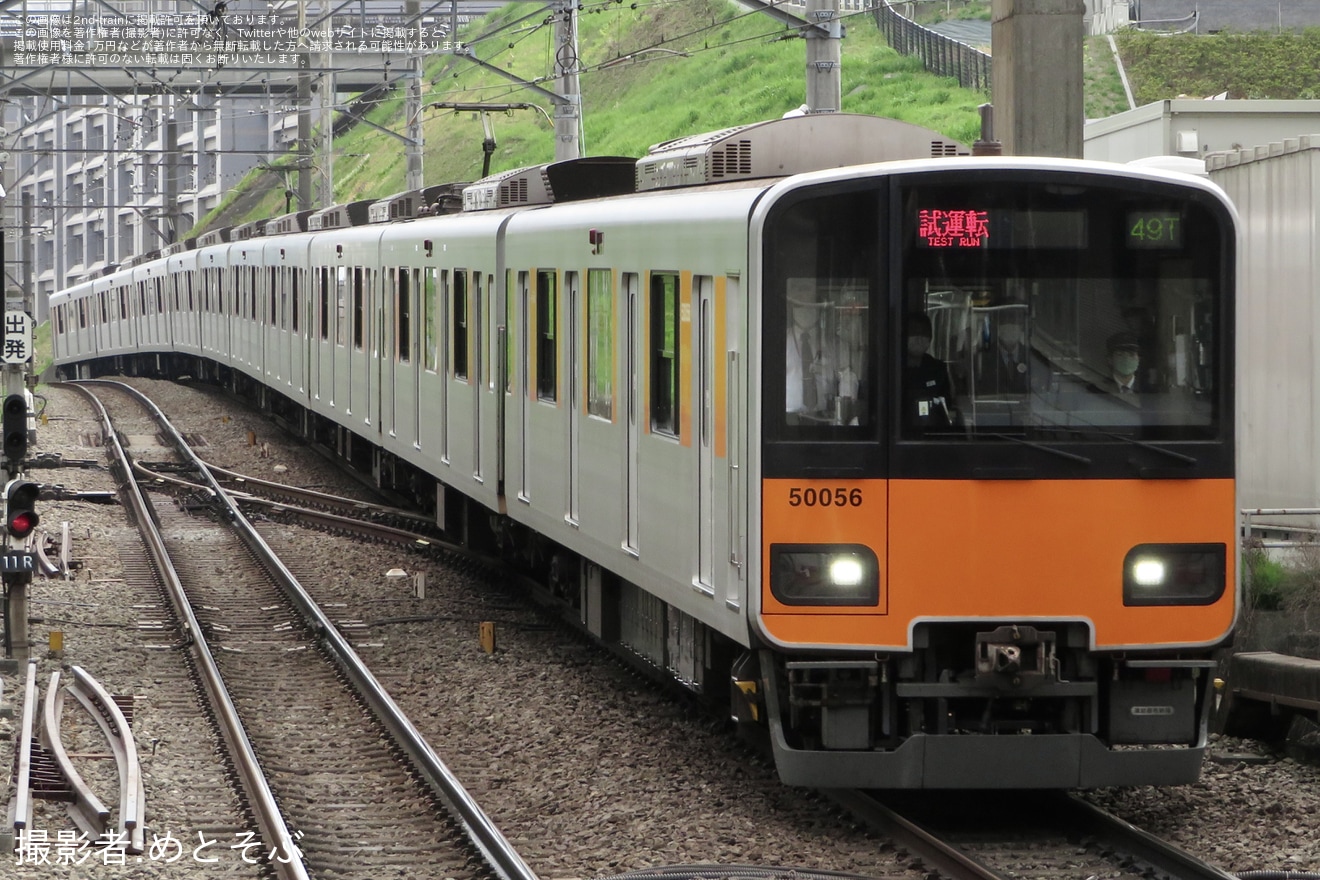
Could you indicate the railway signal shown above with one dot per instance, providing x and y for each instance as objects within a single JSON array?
[
  {"x": 13, "y": 423},
  {"x": 21, "y": 517}
]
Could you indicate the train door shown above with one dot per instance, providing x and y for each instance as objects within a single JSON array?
[
  {"x": 732, "y": 445},
  {"x": 476, "y": 329},
  {"x": 705, "y": 433},
  {"x": 445, "y": 332},
  {"x": 574, "y": 389},
  {"x": 524, "y": 382},
  {"x": 633, "y": 333},
  {"x": 424, "y": 346},
  {"x": 398, "y": 376},
  {"x": 378, "y": 370},
  {"x": 289, "y": 320},
  {"x": 392, "y": 342}
]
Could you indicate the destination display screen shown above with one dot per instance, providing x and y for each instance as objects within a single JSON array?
[
  {"x": 1152, "y": 230},
  {"x": 970, "y": 227}
]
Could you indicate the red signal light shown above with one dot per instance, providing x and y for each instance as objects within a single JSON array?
[
  {"x": 22, "y": 524},
  {"x": 20, "y": 500}
]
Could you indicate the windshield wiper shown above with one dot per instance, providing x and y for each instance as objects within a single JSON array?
[
  {"x": 1071, "y": 456},
  {"x": 1144, "y": 444}
]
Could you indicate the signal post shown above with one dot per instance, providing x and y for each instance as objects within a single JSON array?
[{"x": 21, "y": 518}]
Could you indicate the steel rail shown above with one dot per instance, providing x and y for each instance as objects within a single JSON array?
[
  {"x": 939, "y": 856},
  {"x": 324, "y": 498},
  {"x": 22, "y": 802},
  {"x": 1166, "y": 859},
  {"x": 132, "y": 794},
  {"x": 1066, "y": 811},
  {"x": 363, "y": 527},
  {"x": 48, "y": 568},
  {"x": 479, "y": 828},
  {"x": 86, "y": 810},
  {"x": 256, "y": 788}
]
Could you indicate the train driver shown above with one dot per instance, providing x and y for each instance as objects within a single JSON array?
[
  {"x": 1124, "y": 363},
  {"x": 928, "y": 402}
]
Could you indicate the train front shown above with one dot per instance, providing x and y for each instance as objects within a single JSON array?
[{"x": 997, "y": 517}]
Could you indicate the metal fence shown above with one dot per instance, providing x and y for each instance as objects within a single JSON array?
[{"x": 941, "y": 55}]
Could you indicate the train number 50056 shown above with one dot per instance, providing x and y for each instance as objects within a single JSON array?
[{"x": 812, "y": 497}]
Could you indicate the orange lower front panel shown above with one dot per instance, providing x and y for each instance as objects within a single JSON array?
[{"x": 1008, "y": 550}]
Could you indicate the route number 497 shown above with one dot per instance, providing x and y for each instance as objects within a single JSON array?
[{"x": 813, "y": 497}]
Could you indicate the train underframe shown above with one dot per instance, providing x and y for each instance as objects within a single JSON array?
[{"x": 990, "y": 705}]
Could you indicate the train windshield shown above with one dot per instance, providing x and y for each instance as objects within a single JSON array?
[{"x": 1056, "y": 312}]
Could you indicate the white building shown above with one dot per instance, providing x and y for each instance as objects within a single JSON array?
[{"x": 110, "y": 178}]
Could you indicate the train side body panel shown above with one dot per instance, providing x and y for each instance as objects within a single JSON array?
[
  {"x": 596, "y": 460},
  {"x": 692, "y": 402}
]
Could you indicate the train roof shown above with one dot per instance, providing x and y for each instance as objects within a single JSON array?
[{"x": 758, "y": 151}]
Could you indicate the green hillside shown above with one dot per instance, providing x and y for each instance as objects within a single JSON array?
[{"x": 718, "y": 65}]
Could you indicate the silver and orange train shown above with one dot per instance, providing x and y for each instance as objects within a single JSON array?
[{"x": 817, "y": 413}]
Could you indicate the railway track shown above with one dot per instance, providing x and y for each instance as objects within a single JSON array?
[
  {"x": 336, "y": 778},
  {"x": 1000, "y": 835},
  {"x": 970, "y": 851}
]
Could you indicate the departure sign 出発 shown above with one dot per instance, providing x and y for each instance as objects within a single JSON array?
[
  {"x": 1154, "y": 229},
  {"x": 18, "y": 338},
  {"x": 956, "y": 227}
]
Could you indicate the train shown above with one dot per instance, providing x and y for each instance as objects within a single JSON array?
[{"x": 816, "y": 416}]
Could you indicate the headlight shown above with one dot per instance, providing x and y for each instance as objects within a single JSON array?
[
  {"x": 1174, "y": 574},
  {"x": 824, "y": 574}
]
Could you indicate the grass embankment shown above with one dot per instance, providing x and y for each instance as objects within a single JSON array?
[
  {"x": 712, "y": 64},
  {"x": 734, "y": 67}
]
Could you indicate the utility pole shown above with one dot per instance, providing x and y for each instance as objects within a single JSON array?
[
  {"x": 824, "y": 57},
  {"x": 304, "y": 110},
  {"x": 413, "y": 179},
  {"x": 327, "y": 163},
  {"x": 27, "y": 250},
  {"x": 171, "y": 173},
  {"x": 568, "y": 115}
]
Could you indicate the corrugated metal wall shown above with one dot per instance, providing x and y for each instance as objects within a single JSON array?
[{"x": 1274, "y": 189}]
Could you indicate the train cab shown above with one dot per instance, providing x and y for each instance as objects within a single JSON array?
[{"x": 997, "y": 490}]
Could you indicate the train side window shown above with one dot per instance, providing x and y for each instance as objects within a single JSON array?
[
  {"x": 508, "y": 328},
  {"x": 488, "y": 331},
  {"x": 273, "y": 299},
  {"x": 403, "y": 341},
  {"x": 664, "y": 353},
  {"x": 460, "y": 328},
  {"x": 341, "y": 305},
  {"x": 359, "y": 308},
  {"x": 476, "y": 313},
  {"x": 282, "y": 275},
  {"x": 600, "y": 342},
  {"x": 546, "y": 349},
  {"x": 442, "y": 323},
  {"x": 430, "y": 346},
  {"x": 325, "y": 303},
  {"x": 295, "y": 275}
]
